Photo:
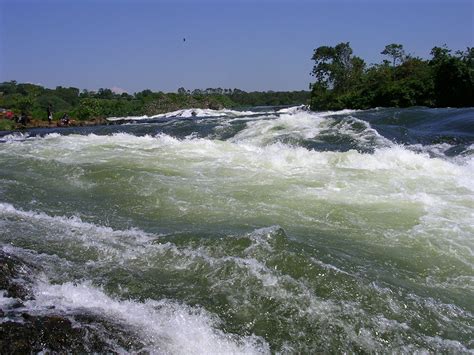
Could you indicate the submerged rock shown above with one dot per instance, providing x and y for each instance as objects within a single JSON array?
[
  {"x": 15, "y": 277},
  {"x": 25, "y": 330},
  {"x": 50, "y": 333}
]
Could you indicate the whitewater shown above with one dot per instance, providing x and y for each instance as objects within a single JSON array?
[{"x": 269, "y": 230}]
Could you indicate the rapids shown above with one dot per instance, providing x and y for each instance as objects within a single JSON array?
[{"x": 258, "y": 231}]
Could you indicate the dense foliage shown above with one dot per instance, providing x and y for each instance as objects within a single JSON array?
[
  {"x": 345, "y": 81},
  {"x": 35, "y": 99}
]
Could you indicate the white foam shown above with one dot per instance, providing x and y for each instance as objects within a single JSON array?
[
  {"x": 6, "y": 302},
  {"x": 293, "y": 109},
  {"x": 337, "y": 113},
  {"x": 118, "y": 245},
  {"x": 396, "y": 158},
  {"x": 163, "y": 326},
  {"x": 368, "y": 136},
  {"x": 239, "y": 181},
  {"x": 202, "y": 157},
  {"x": 300, "y": 125},
  {"x": 187, "y": 113},
  {"x": 391, "y": 174},
  {"x": 128, "y": 118},
  {"x": 15, "y": 137}
]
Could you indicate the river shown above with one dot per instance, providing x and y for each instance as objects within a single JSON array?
[{"x": 257, "y": 231}]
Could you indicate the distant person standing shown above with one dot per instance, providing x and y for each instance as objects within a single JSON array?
[
  {"x": 65, "y": 120},
  {"x": 50, "y": 114},
  {"x": 23, "y": 119}
]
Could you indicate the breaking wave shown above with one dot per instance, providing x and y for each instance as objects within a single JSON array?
[{"x": 278, "y": 230}]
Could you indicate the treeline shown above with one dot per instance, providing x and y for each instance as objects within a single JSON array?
[
  {"x": 343, "y": 80},
  {"x": 34, "y": 100}
]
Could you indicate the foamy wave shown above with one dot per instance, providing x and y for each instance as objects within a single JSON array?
[
  {"x": 164, "y": 326},
  {"x": 198, "y": 112},
  {"x": 120, "y": 244},
  {"x": 250, "y": 277},
  {"x": 6, "y": 302},
  {"x": 293, "y": 109},
  {"x": 73, "y": 222},
  {"x": 263, "y": 132},
  {"x": 187, "y": 113},
  {"x": 396, "y": 158},
  {"x": 15, "y": 137},
  {"x": 128, "y": 118},
  {"x": 242, "y": 152},
  {"x": 336, "y": 113},
  {"x": 361, "y": 131},
  {"x": 463, "y": 155},
  {"x": 297, "y": 124}
]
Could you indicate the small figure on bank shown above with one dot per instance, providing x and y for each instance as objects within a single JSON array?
[
  {"x": 23, "y": 119},
  {"x": 50, "y": 114},
  {"x": 65, "y": 120}
]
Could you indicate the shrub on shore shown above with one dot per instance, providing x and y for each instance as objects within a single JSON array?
[
  {"x": 86, "y": 105},
  {"x": 7, "y": 125}
]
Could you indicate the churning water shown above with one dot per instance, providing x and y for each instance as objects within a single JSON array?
[{"x": 252, "y": 232}]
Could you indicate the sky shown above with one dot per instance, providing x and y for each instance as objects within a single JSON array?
[{"x": 259, "y": 45}]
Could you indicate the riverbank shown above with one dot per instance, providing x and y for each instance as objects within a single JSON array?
[{"x": 9, "y": 125}]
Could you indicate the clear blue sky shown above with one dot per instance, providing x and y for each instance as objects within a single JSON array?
[{"x": 250, "y": 45}]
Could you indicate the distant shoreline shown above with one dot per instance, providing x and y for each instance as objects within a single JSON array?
[{"x": 35, "y": 123}]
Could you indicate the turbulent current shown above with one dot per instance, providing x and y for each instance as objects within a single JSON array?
[{"x": 261, "y": 231}]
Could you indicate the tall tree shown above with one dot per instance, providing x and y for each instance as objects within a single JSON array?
[
  {"x": 337, "y": 72},
  {"x": 394, "y": 51},
  {"x": 336, "y": 68}
]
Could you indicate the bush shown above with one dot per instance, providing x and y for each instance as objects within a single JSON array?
[{"x": 7, "y": 125}]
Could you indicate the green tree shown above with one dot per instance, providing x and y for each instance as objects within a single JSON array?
[
  {"x": 28, "y": 89},
  {"x": 70, "y": 94},
  {"x": 8, "y": 88},
  {"x": 25, "y": 104},
  {"x": 394, "y": 51},
  {"x": 104, "y": 94},
  {"x": 337, "y": 70},
  {"x": 342, "y": 81},
  {"x": 453, "y": 77},
  {"x": 88, "y": 108}
]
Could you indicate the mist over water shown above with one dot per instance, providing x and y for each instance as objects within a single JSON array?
[{"x": 270, "y": 230}]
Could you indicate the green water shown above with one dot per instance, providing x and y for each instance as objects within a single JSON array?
[{"x": 250, "y": 243}]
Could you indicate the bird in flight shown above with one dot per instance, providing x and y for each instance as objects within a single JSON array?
[{"x": 184, "y": 39}]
